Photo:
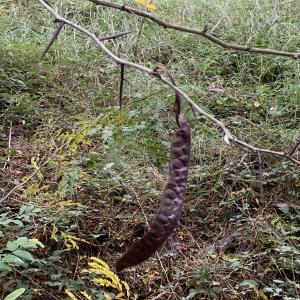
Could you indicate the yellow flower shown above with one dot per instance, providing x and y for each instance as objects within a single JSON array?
[
  {"x": 107, "y": 278},
  {"x": 148, "y": 4}
]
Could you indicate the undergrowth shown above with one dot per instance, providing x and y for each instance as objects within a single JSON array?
[{"x": 99, "y": 172}]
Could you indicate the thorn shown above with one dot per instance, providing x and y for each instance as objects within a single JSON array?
[{"x": 53, "y": 38}]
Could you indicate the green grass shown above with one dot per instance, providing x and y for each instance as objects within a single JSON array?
[{"x": 109, "y": 167}]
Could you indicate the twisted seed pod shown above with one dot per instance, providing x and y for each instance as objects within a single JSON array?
[{"x": 171, "y": 201}]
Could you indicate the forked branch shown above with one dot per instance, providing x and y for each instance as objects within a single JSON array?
[
  {"x": 204, "y": 33},
  {"x": 228, "y": 137}
]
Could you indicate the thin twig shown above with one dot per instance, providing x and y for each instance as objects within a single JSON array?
[
  {"x": 294, "y": 149},
  {"x": 53, "y": 38},
  {"x": 161, "y": 70},
  {"x": 204, "y": 33},
  {"x": 122, "y": 66},
  {"x": 135, "y": 45},
  {"x": 228, "y": 137},
  {"x": 113, "y": 36}
]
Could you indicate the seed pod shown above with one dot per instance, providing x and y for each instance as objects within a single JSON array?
[{"x": 171, "y": 202}]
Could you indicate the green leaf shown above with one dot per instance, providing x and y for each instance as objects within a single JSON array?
[
  {"x": 194, "y": 292},
  {"x": 22, "y": 241},
  {"x": 219, "y": 102},
  {"x": 15, "y": 294},
  {"x": 4, "y": 267},
  {"x": 25, "y": 209},
  {"x": 12, "y": 246},
  {"x": 17, "y": 222},
  {"x": 24, "y": 254},
  {"x": 108, "y": 166},
  {"x": 12, "y": 259},
  {"x": 250, "y": 283},
  {"x": 8, "y": 221},
  {"x": 33, "y": 243}
]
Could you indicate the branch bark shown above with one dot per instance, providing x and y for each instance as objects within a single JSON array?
[
  {"x": 113, "y": 36},
  {"x": 294, "y": 149},
  {"x": 228, "y": 137},
  {"x": 204, "y": 33},
  {"x": 53, "y": 38},
  {"x": 122, "y": 67}
]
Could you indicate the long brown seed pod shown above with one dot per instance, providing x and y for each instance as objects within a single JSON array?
[{"x": 171, "y": 201}]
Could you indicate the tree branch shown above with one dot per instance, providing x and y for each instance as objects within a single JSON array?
[
  {"x": 53, "y": 38},
  {"x": 122, "y": 67},
  {"x": 228, "y": 137},
  {"x": 294, "y": 149},
  {"x": 204, "y": 33},
  {"x": 113, "y": 36}
]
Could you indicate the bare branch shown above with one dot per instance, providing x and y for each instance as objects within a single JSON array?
[
  {"x": 204, "y": 33},
  {"x": 122, "y": 67},
  {"x": 228, "y": 137},
  {"x": 53, "y": 38},
  {"x": 294, "y": 149},
  {"x": 113, "y": 36}
]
